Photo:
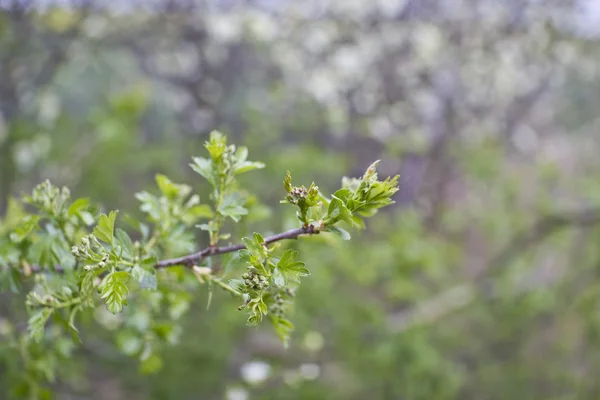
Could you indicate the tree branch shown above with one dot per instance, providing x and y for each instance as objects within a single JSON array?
[
  {"x": 213, "y": 251},
  {"x": 191, "y": 259}
]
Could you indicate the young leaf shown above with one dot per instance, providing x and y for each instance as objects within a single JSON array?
[
  {"x": 238, "y": 285},
  {"x": 105, "y": 228},
  {"x": 169, "y": 189},
  {"x": 149, "y": 262},
  {"x": 283, "y": 328},
  {"x": 78, "y": 206},
  {"x": 287, "y": 182},
  {"x": 86, "y": 288},
  {"x": 145, "y": 277},
  {"x": 37, "y": 322},
  {"x": 114, "y": 291},
  {"x": 291, "y": 269},
  {"x": 28, "y": 224},
  {"x": 339, "y": 231},
  {"x": 203, "y": 167},
  {"x": 216, "y": 145},
  {"x": 232, "y": 207},
  {"x": 125, "y": 242}
]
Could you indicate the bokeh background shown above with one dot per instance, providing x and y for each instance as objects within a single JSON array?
[{"x": 481, "y": 282}]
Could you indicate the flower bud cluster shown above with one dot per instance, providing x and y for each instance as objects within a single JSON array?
[
  {"x": 297, "y": 194},
  {"x": 86, "y": 247},
  {"x": 47, "y": 196},
  {"x": 254, "y": 281}
]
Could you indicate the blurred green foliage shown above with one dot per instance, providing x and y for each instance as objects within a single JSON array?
[{"x": 469, "y": 288}]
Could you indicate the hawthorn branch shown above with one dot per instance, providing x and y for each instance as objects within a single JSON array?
[{"x": 192, "y": 259}]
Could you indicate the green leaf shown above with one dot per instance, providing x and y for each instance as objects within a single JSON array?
[
  {"x": 287, "y": 182},
  {"x": 283, "y": 328},
  {"x": 86, "y": 217},
  {"x": 242, "y": 165},
  {"x": 28, "y": 224},
  {"x": 78, "y": 206},
  {"x": 204, "y": 167},
  {"x": 37, "y": 322},
  {"x": 255, "y": 247},
  {"x": 254, "y": 319},
  {"x": 170, "y": 189},
  {"x": 241, "y": 154},
  {"x": 287, "y": 258},
  {"x": 74, "y": 330},
  {"x": 196, "y": 212},
  {"x": 232, "y": 207},
  {"x": 125, "y": 242},
  {"x": 145, "y": 277},
  {"x": 238, "y": 285},
  {"x": 216, "y": 145},
  {"x": 339, "y": 231},
  {"x": 105, "y": 229},
  {"x": 86, "y": 288},
  {"x": 278, "y": 277},
  {"x": 247, "y": 166},
  {"x": 149, "y": 262},
  {"x": 337, "y": 211},
  {"x": 166, "y": 186},
  {"x": 258, "y": 239},
  {"x": 291, "y": 269},
  {"x": 114, "y": 291}
]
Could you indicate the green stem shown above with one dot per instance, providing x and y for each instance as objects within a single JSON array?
[
  {"x": 63, "y": 229},
  {"x": 227, "y": 287},
  {"x": 151, "y": 242},
  {"x": 69, "y": 303}
]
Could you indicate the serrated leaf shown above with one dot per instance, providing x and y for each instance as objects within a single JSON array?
[
  {"x": 291, "y": 269},
  {"x": 125, "y": 242},
  {"x": 298, "y": 267},
  {"x": 203, "y": 167},
  {"x": 232, "y": 207},
  {"x": 86, "y": 288},
  {"x": 288, "y": 257},
  {"x": 216, "y": 145},
  {"x": 27, "y": 225},
  {"x": 283, "y": 328},
  {"x": 114, "y": 291},
  {"x": 258, "y": 239},
  {"x": 278, "y": 277},
  {"x": 106, "y": 226},
  {"x": 145, "y": 277},
  {"x": 337, "y": 211}
]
